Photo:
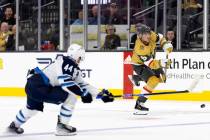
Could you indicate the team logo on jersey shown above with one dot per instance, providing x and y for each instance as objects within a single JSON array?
[
  {"x": 141, "y": 47},
  {"x": 44, "y": 60},
  {"x": 1, "y": 63}
]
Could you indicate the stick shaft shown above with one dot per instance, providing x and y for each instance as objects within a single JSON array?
[
  {"x": 152, "y": 94},
  {"x": 165, "y": 69}
]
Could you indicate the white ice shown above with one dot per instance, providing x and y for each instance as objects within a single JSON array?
[{"x": 167, "y": 120}]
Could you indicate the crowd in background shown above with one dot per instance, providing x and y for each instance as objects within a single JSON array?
[
  {"x": 7, "y": 28},
  {"x": 112, "y": 14}
]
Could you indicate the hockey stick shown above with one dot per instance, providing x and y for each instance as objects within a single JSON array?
[
  {"x": 151, "y": 94},
  {"x": 165, "y": 69},
  {"x": 191, "y": 87}
]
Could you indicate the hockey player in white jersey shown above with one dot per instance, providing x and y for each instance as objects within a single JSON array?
[{"x": 58, "y": 83}]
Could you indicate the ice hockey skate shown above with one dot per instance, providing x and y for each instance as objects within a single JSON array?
[
  {"x": 140, "y": 109},
  {"x": 14, "y": 129},
  {"x": 64, "y": 129}
]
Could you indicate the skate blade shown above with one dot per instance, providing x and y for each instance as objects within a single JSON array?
[
  {"x": 58, "y": 133},
  {"x": 10, "y": 131},
  {"x": 140, "y": 112}
]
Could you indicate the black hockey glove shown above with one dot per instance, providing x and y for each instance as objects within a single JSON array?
[
  {"x": 86, "y": 97},
  {"x": 105, "y": 96}
]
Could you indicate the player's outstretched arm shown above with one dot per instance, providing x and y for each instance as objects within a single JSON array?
[{"x": 92, "y": 91}]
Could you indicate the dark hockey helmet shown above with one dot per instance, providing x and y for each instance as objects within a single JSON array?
[{"x": 142, "y": 29}]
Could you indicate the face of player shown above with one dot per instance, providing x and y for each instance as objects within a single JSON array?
[
  {"x": 78, "y": 60},
  {"x": 145, "y": 37}
]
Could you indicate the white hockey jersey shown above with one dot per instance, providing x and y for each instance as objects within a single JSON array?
[{"x": 65, "y": 72}]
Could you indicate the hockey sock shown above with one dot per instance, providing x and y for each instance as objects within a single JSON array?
[
  {"x": 67, "y": 109},
  {"x": 23, "y": 115}
]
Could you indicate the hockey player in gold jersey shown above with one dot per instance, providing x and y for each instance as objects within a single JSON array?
[{"x": 146, "y": 67}]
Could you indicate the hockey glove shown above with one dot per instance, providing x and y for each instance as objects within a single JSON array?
[
  {"x": 86, "y": 97},
  {"x": 105, "y": 96},
  {"x": 168, "y": 47}
]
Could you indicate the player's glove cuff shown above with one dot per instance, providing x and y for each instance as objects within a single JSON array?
[
  {"x": 86, "y": 97},
  {"x": 168, "y": 47}
]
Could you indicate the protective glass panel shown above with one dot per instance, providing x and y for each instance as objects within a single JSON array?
[
  {"x": 192, "y": 24},
  {"x": 49, "y": 25},
  {"x": 74, "y": 25},
  {"x": 28, "y": 26}
]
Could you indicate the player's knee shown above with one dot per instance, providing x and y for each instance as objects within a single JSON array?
[
  {"x": 34, "y": 105},
  {"x": 153, "y": 81}
]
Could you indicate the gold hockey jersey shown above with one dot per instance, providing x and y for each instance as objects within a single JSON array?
[{"x": 142, "y": 52}]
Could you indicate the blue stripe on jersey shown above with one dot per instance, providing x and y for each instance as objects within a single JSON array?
[
  {"x": 63, "y": 76},
  {"x": 45, "y": 78},
  {"x": 82, "y": 85},
  {"x": 68, "y": 84},
  {"x": 85, "y": 92},
  {"x": 67, "y": 80}
]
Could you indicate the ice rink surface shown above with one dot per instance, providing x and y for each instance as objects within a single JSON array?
[{"x": 167, "y": 120}]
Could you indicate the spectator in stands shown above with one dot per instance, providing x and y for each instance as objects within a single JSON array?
[
  {"x": 79, "y": 21},
  {"x": 192, "y": 4},
  {"x": 112, "y": 40},
  {"x": 9, "y": 17},
  {"x": 3, "y": 2},
  {"x": 134, "y": 37},
  {"x": 112, "y": 16},
  {"x": 93, "y": 20},
  {"x": 10, "y": 45},
  {"x": 4, "y": 34},
  {"x": 52, "y": 38},
  {"x": 170, "y": 36},
  {"x": 192, "y": 18},
  {"x": 1, "y": 14},
  {"x": 47, "y": 46}
]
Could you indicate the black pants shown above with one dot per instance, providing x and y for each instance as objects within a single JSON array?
[
  {"x": 144, "y": 72},
  {"x": 38, "y": 92}
]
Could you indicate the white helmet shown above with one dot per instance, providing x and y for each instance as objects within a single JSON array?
[{"x": 76, "y": 51}]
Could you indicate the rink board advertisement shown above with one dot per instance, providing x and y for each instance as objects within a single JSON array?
[{"x": 108, "y": 70}]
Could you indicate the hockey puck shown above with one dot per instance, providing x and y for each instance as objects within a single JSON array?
[{"x": 203, "y": 105}]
